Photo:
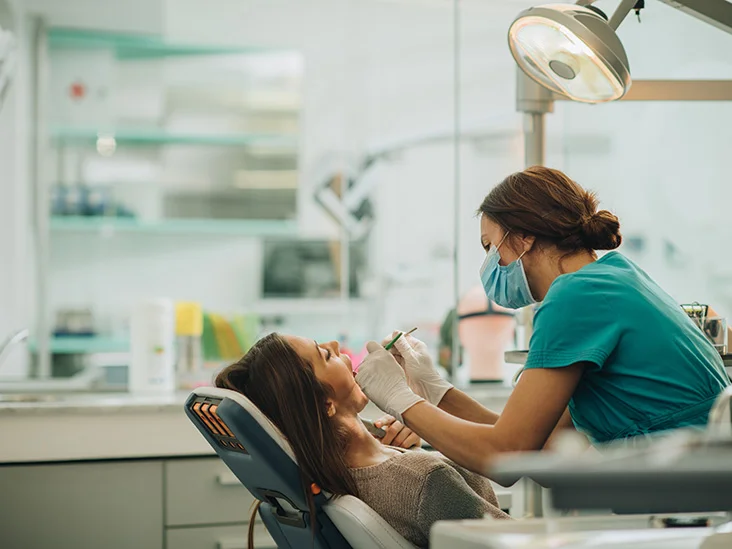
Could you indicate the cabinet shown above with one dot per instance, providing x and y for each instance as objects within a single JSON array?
[
  {"x": 203, "y": 503},
  {"x": 153, "y": 504},
  {"x": 114, "y": 505}
]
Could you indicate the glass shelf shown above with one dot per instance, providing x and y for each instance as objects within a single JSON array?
[
  {"x": 308, "y": 306},
  {"x": 136, "y": 46},
  {"x": 161, "y": 137},
  {"x": 69, "y": 345},
  {"x": 242, "y": 227}
]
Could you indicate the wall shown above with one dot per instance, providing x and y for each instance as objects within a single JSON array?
[
  {"x": 382, "y": 71},
  {"x": 139, "y": 16},
  {"x": 379, "y": 73},
  {"x": 374, "y": 73},
  {"x": 15, "y": 238}
]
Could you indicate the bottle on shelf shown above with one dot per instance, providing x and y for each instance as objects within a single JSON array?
[
  {"x": 152, "y": 341},
  {"x": 188, "y": 331}
]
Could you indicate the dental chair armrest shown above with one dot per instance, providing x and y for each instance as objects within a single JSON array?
[{"x": 359, "y": 524}]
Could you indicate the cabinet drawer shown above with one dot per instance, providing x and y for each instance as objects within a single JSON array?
[
  {"x": 204, "y": 491},
  {"x": 217, "y": 537}
]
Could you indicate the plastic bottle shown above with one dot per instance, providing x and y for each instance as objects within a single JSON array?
[
  {"x": 188, "y": 330},
  {"x": 152, "y": 364}
]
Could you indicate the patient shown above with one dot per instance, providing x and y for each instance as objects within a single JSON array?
[{"x": 307, "y": 390}]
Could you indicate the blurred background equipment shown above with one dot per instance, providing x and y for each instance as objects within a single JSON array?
[
  {"x": 310, "y": 269},
  {"x": 8, "y": 50},
  {"x": 486, "y": 333}
]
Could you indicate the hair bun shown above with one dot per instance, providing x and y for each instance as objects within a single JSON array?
[{"x": 601, "y": 231}]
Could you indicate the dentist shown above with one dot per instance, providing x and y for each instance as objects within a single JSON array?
[{"x": 611, "y": 353}]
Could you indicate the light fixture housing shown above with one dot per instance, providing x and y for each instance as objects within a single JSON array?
[{"x": 571, "y": 50}]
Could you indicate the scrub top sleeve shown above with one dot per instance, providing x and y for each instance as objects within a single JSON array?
[{"x": 574, "y": 324}]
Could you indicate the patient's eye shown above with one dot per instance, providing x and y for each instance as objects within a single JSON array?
[{"x": 327, "y": 355}]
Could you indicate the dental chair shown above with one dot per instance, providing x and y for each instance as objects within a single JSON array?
[{"x": 260, "y": 457}]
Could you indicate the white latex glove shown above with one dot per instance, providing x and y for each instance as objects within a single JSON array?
[
  {"x": 422, "y": 376},
  {"x": 384, "y": 382}
]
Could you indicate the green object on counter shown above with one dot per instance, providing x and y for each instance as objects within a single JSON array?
[
  {"x": 209, "y": 345},
  {"x": 246, "y": 328}
]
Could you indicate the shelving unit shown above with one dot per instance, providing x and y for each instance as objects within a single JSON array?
[
  {"x": 147, "y": 137},
  {"x": 234, "y": 227},
  {"x": 69, "y": 345},
  {"x": 142, "y": 137},
  {"x": 308, "y": 307},
  {"x": 136, "y": 46}
]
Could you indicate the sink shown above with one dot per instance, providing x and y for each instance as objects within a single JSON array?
[
  {"x": 10, "y": 398},
  {"x": 37, "y": 390}
]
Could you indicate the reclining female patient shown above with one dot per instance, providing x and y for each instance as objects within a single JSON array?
[{"x": 307, "y": 390}]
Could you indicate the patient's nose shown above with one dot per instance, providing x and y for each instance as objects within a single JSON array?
[{"x": 334, "y": 347}]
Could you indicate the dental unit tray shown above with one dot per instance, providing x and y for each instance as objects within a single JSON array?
[{"x": 672, "y": 476}]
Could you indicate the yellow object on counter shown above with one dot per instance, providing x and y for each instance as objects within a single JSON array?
[{"x": 188, "y": 318}]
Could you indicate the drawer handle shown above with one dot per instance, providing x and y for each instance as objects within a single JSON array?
[{"x": 228, "y": 479}]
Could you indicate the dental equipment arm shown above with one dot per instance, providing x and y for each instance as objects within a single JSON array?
[
  {"x": 8, "y": 61},
  {"x": 11, "y": 341}
]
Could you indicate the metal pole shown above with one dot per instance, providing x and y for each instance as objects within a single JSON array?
[
  {"x": 534, "y": 139},
  {"x": 455, "y": 352},
  {"x": 534, "y": 101},
  {"x": 40, "y": 183}
]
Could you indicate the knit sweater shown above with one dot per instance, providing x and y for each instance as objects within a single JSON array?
[{"x": 415, "y": 489}]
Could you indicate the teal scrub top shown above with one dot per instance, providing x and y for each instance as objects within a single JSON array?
[{"x": 649, "y": 368}]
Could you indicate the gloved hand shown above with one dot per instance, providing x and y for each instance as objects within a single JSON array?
[
  {"x": 385, "y": 382},
  {"x": 422, "y": 377}
]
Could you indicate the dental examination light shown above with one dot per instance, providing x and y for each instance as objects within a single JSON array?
[{"x": 573, "y": 50}]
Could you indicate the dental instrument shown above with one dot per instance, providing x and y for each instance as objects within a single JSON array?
[{"x": 400, "y": 334}]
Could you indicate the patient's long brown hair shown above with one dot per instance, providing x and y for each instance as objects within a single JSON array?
[{"x": 284, "y": 387}]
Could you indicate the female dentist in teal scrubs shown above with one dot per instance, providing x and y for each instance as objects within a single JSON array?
[{"x": 611, "y": 352}]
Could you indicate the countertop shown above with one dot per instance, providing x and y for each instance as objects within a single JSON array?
[
  {"x": 114, "y": 403},
  {"x": 91, "y": 426},
  {"x": 96, "y": 403}
]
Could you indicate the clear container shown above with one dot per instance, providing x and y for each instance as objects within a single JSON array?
[{"x": 715, "y": 329}]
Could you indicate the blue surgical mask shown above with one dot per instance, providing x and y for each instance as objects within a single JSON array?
[{"x": 506, "y": 286}]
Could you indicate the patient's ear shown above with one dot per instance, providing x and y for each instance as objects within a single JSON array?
[{"x": 330, "y": 408}]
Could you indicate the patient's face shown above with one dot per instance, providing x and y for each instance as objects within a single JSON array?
[{"x": 333, "y": 368}]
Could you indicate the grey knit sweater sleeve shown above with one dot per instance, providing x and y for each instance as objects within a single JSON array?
[
  {"x": 447, "y": 496},
  {"x": 413, "y": 490}
]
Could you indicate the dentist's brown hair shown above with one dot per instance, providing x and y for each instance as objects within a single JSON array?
[{"x": 548, "y": 205}]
